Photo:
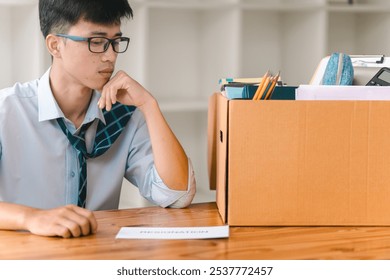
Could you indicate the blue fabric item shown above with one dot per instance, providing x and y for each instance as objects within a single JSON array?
[
  {"x": 339, "y": 70},
  {"x": 116, "y": 121}
]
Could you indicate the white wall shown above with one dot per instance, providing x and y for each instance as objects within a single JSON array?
[{"x": 179, "y": 50}]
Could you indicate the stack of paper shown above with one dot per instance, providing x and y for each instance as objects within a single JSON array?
[{"x": 318, "y": 92}]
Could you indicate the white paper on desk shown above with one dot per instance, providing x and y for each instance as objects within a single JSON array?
[
  {"x": 173, "y": 232},
  {"x": 311, "y": 92}
]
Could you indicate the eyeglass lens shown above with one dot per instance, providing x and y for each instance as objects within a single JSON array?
[{"x": 100, "y": 44}]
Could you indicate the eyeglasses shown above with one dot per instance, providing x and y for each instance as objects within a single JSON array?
[{"x": 101, "y": 44}]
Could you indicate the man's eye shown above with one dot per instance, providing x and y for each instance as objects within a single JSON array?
[{"x": 98, "y": 42}]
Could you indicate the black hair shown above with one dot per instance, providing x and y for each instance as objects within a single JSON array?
[{"x": 57, "y": 16}]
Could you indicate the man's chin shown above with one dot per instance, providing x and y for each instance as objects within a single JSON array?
[
  {"x": 99, "y": 89},
  {"x": 99, "y": 86}
]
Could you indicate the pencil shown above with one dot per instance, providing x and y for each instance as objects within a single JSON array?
[
  {"x": 274, "y": 81},
  {"x": 264, "y": 87},
  {"x": 260, "y": 86},
  {"x": 267, "y": 88}
]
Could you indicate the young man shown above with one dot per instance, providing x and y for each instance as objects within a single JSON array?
[{"x": 68, "y": 139}]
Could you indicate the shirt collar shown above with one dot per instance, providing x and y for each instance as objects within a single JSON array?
[{"x": 48, "y": 108}]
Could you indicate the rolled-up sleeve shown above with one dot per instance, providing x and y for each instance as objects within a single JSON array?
[
  {"x": 161, "y": 195},
  {"x": 142, "y": 172}
]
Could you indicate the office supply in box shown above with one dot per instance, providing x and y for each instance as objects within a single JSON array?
[
  {"x": 364, "y": 66},
  {"x": 300, "y": 162},
  {"x": 339, "y": 70},
  {"x": 224, "y": 81},
  {"x": 247, "y": 91},
  {"x": 350, "y": 2},
  {"x": 250, "y": 88},
  {"x": 239, "y": 91},
  {"x": 266, "y": 87},
  {"x": 313, "y": 92},
  {"x": 381, "y": 78}
]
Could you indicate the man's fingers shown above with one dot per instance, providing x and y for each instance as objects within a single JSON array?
[
  {"x": 89, "y": 224},
  {"x": 101, "y": 102},
  {"x": 67, "y": 221},
  {"x": 71, "y": 225},
  {"x": 61, "y": 231},
  {"x": 119, "y": 84}
]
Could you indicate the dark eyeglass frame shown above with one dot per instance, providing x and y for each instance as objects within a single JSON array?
[{"x": 106, "y": 46}]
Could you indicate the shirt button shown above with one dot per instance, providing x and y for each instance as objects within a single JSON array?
[{"x": 72, "y": 174}]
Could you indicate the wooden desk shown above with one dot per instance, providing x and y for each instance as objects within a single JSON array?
[{"x": 243, "y": 243}]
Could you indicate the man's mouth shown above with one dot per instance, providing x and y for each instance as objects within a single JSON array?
[{"x": 106, "y": 72}]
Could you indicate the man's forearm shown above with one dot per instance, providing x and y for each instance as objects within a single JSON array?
[
  {"x": 170, "y": 159},
  {"x": 12, "y": 216}
]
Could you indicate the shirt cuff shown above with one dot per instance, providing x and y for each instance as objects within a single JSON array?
[{"x": 165, "y": 197}]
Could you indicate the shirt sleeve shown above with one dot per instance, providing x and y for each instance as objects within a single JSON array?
[
  {"x": 142, "y": 173},
  {"x": 187, "y": 196},
  {"x": 160, "y": 194}
]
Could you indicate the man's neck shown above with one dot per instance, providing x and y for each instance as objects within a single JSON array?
[{"x": 72, "y": 99}]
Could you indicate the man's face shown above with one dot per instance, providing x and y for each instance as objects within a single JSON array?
[{"x": 91, "y": 70}]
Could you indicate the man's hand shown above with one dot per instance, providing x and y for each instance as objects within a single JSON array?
[
  {"x": 169, "y": 156},
  {"x": 125, "y": 90},
  {"x": 68, "y": 221}
]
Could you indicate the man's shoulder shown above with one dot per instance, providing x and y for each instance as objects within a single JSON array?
[{"x": 20, "y": 90}]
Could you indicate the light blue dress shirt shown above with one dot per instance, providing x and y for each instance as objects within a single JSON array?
[{"x": 39, "y": 167}]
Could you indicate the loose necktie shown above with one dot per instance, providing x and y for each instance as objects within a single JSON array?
[{"x": 106, "y": 134}]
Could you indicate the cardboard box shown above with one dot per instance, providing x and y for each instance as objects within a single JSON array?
[{"x": 304, "y": 163}]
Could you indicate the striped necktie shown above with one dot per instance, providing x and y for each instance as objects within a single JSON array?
[{"x": 116, "y": 120}]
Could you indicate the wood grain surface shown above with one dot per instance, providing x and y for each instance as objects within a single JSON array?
[{"x": 291, "y": 243}]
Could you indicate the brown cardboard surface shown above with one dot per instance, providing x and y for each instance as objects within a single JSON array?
[
  {"x": 212, "y": 141},
  {"x": 221, "y": 156},
  {"x": 303, "y": 162}
]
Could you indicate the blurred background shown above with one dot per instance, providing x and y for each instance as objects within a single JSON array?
[{"x": 179, "y": 50}]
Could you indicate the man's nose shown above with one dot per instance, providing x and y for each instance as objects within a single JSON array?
[{"x": 110, "y": 54}]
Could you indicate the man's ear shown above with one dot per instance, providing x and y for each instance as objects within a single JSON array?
[{"x": 53, "y": 45}]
